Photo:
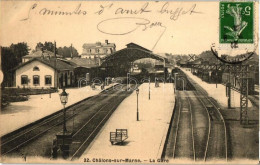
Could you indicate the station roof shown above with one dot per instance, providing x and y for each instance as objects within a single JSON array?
[
  {"x": 84, "y": 62},
  {"x": 131, "y": 53}
]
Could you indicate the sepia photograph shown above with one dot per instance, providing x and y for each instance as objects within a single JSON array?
[{"x": 129, "y": 82}]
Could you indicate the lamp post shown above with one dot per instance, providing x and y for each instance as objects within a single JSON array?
[
  {"x": 128, "y": 81},
  {"x": 64, "y": 99},
  {"x": 50, "y": 93},
  {"x": 216, "y": 79},
  {"x": 182, "y": 83},
  {"x": 41, "y": 92},
  {"x": 164, "y": 70},
  {"x": 149, "y": 87},
  {"x": 64, "y": 138},
  {"x": 137, "y": 92},
  {"x": 175, "y": 76}
]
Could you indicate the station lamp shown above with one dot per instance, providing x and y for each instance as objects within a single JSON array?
[
  {"x": 137, "y": 92},
  {"x": 64, "y": 99}
]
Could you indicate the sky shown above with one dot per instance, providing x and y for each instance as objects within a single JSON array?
[{"x": 154, "y": 27}]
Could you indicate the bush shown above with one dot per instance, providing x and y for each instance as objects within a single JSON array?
[{"x": 13, "y": 98}]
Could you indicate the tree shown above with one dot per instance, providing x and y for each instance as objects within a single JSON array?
[
  {"x": 68, "y": 51},
  {"x": 39, "y": 46},
  {"x": 8, "y": 59},
  {"x": 46, "y": 46},
  {"x": 20, "y": 49},
  {"x": 208, "y": 56},
  {"x": 11, "y": 57}
]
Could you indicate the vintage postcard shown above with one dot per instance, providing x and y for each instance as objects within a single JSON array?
[{"x": 129, "y": 82}]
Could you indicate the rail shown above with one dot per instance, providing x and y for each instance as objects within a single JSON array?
[
  {"x": 192, "y": 129},
  {"x": 177, "y": 128},
  {"x": 218, "y": 111},
  {"x": 15, "y": 140}
]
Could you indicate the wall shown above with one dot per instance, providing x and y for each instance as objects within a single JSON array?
[
  {"x": 66, "y": 78},
  {"x": 28, "y": 70},
  {"x": 25, "y": 60},
  {"x": 103, "y": 51}
]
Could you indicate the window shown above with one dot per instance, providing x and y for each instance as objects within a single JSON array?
[
  {"x": 36, "y": 68},
  {"x": 97, "y": 50},
  {"x": 24, "y": 80},
  {"x": 105, "y": 50},
  {"x": 48, "y": 80},
  {"x": 36, "y": 80}
]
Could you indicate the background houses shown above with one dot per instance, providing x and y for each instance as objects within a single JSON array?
[
  {"x": 39, "y": 53},
  {"x": 98, "y": 49}
]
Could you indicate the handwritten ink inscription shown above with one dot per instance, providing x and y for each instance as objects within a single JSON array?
[
  {"x": 77, "y": 11},
  {"x": 127, "y": 19},
  {"x": 126, "y": 25},
  {"x": 165, "y": 9},
  {"x": 143, "y": 9},
  {"x": 176, "y": 13}
]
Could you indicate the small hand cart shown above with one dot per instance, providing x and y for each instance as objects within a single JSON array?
[{"x": 119, "y": 136}]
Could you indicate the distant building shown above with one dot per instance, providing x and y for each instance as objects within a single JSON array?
[
  {"x": 98, "y": 50},
  {"x": 39, "y": 53}
]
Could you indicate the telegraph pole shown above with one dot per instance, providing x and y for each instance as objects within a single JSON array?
[{"x": 244, "y": 94}]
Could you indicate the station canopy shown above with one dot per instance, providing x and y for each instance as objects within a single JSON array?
[{"x": 131, "y": 53}]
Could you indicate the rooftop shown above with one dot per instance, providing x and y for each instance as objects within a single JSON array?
[
  {"x": 40, "y": 53},
  {"x": 133, "y": 45},
  {"x": 98, "y": 44},
  {"x": 131, "y": 53},
  {"x": 84, "y": 62},
  {"x": 54, "y": 63}
]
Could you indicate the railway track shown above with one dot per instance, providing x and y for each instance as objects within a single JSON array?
[
  {"x": 198, "y": 130},
  {"x": 13, "y": 141},
  {"x": 84, "y": 136},
  {"x": 184, "y": 139},
  {"x": 254, "y": 100},
  {"x": 217, "y": 137},
  {"x": 201, "y": 125}
]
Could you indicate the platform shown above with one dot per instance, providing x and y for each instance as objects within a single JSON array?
[
  {"x": 146, "y": 137},
  {"x": 218, "y": 93}
]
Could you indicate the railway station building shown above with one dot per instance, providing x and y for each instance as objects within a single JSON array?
[{"x": 44, "y": 73}]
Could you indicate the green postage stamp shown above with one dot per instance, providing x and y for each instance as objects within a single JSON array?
[{"x": 236, "y": 22}]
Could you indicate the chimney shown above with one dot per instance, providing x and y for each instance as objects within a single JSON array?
[
  {"x": 42, "y": 53},
  {"x": 106, "y": 41},
  {"x": 71, "y": 53},
  {"x": 55, "y": 49}
]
